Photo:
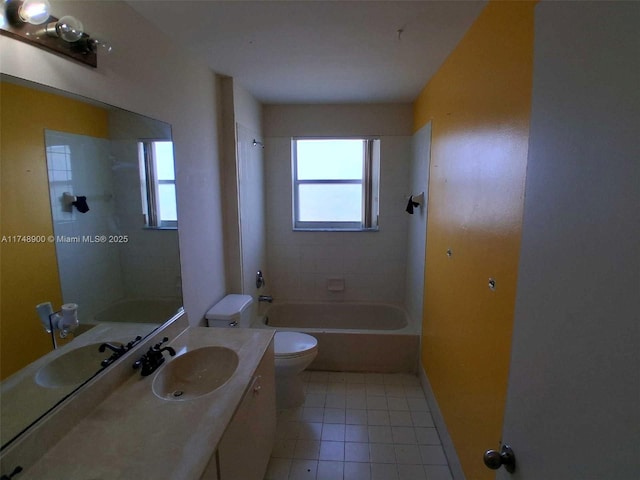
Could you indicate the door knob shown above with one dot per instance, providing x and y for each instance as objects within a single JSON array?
[{"x": 494, "y": 459}]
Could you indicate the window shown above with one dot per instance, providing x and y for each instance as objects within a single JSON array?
[
  {"x": 335, "y": 183},
  {"x": 158, "y": 184}
]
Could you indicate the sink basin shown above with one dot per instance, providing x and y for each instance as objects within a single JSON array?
[
  {"x": 195, "y": 373},
  {"x": 72, "y": 368}
]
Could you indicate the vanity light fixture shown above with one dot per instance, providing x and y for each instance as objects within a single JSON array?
[{"x": 29, "y": 21}]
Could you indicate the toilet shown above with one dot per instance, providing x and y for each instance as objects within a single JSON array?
[{"x": 294, "y": 351}]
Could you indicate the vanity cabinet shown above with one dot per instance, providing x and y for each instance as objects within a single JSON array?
[{"x": 245, "y": 448}]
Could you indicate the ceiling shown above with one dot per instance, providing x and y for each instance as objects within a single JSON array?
[{"x": 360, "y": 51}]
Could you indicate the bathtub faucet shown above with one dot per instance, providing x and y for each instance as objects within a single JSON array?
[{"x": 265, "y": 298}]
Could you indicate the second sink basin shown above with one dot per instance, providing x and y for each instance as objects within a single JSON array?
[
  {"x": 73, "y": 367},
  {"x": 195, "y": 373}
]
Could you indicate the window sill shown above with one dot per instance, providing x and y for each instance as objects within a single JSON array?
[
  {"x": 160, "y": 228},
  {"x": 336, "y": 229}
]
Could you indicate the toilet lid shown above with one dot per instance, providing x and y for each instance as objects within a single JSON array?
[{"x": 293, "y": 344}]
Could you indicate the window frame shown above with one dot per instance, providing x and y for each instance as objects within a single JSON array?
[
  {"x": 149, "y": 184},
  {"x": 369, "y": 181}
]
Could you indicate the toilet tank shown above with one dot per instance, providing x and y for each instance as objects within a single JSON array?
[{"x": 232, "y": 311}]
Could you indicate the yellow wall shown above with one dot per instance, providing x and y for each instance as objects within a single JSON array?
[
  {"x": 479, "y": 102},
  {"x": 29, "y": 272}
]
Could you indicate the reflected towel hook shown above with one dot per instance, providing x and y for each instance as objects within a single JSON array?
[
  {"x": 419, "y": 199},
  {"x": 414, "y": 201},
  {"x": 257, "y": 143}
]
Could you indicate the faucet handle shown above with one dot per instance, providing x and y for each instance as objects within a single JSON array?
[
  {"x": 157, "y": 345},
  {"x": 260, "y": 282}
]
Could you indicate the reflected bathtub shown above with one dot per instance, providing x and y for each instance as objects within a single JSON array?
[
  {"x": 147, "y": 310},
  {"x": 352, "y": 337}
]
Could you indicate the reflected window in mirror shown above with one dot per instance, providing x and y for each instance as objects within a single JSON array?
[{"x": 158, "y": 184}]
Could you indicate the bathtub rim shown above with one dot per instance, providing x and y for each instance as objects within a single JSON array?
[{"x": 408, "y": 329}]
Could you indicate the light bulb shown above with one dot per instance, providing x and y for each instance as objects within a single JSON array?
[
  {"x": 35, "y": 12},
  {"x": 69, "y": 28}
]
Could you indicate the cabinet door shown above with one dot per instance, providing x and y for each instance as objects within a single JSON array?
[{"x": 245, "y": 448}]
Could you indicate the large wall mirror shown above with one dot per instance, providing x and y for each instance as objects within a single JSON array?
[{"x": 89, "y": 217}]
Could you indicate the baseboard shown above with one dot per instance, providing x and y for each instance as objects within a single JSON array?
[{"x": 438, "y": 419}]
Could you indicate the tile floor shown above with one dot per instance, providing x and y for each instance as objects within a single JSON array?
[{"x": 358, "y": 426}]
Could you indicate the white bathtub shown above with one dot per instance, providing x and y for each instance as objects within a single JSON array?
[
  {"x": 148, "y": 310},
  {"x": 353, "y": 337}
]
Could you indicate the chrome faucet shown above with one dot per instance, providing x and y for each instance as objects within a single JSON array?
[{"x": 265, "y": 298}]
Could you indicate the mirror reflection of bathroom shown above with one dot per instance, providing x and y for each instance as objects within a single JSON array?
[
  {"x": 120, "y": 268},
  {"x": 117, "y": 259}
]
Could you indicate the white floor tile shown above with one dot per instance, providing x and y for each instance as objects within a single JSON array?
[
  {"x": 357, "y": 400},
  {"x": 380, "y": 434},
  {"x": 357, "y": 471},
  {"x": 313, "y": 414},
  {"x": 432, "y": 455},
  {"x": 356, "y": 387},
  {"x": 303, "y": 470},
  {"x": 314, "y": 400},
  {"x": 413, "y": 391},
  {"x": 377, "y": 402},
  {"x": 400, "y": 419},
  {"x": 334, "y": 415},
  {"x": 397, "y": 404},
  {"x": 333, "y": 432},
  {"x": 378, "y": 417},
  {"x": 422, "y": 419},
  {"x": 352, "y": 377},
  {"x": 418, "y": 404},
  {"x": 356, "y": 417},
  {"x": 318, "y": 377},
  {"x": 377, "y": 378},
  {"x": 381, "y": 471},
  {"x": 336, "y": 400},
  {"x": 332, "y": 451},
  {"x": 437, "y": 472},
  {"x": 337, "y": 387},
  {"x": 328, "y": 470},
  {"x": 427, "y": 436},
  {"x": 404, "y": 435},
  {"x": 382, "y": 453},
  {"x": 392, "y": 379},
  {"x": 411, "y": 472},
  {"x": 307, "y": 449},
  {"x": 375, "y": 389},
  {"x": 310, "y": 430},
  {"x": 358, "y": 426},
  {"x": 315, "y": 387},
  {"x": 394, "y": 390},
  {"x": 356, "y": 452},
  {"x": 356, "y": 433},
  {"x": 337, "y": 377},
  {"x": 409, "y": 379},
  {"x": 408, "y": 455}
]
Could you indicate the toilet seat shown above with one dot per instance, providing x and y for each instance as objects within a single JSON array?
[{"x": 294, "y": 344}]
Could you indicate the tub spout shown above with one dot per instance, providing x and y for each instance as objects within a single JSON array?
[{"x": 265, "y": 298}]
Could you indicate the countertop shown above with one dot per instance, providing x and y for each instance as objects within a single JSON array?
[
  {"x": 24, "y": 400},
  {"x": 135, "y": 434}
]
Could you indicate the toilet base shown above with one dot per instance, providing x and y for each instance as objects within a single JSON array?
[{"x": 289, "y": 391}]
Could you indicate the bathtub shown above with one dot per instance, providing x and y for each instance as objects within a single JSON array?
[
  {"x": 352, "y": 337},
  {"x": 148, "y": 310}
]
